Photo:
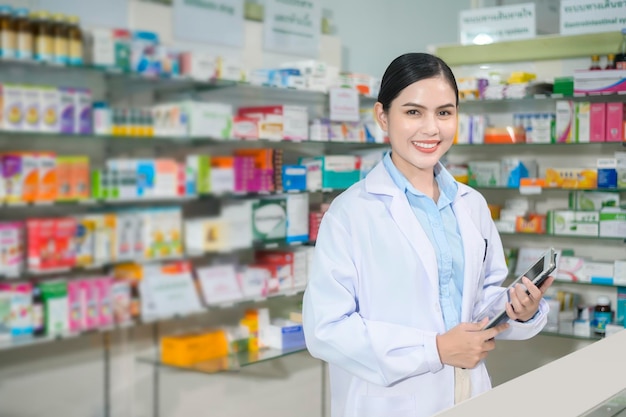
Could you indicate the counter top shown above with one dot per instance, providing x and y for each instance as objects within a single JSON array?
[{"x": 567, "y": 387}]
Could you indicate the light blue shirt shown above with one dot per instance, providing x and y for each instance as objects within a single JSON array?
[{"x": 440, "y": 224}]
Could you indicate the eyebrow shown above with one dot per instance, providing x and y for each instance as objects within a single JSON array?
[{"x": 419, "y": 106}]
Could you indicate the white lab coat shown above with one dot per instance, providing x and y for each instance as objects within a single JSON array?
[{"x": 371, "y": 308}]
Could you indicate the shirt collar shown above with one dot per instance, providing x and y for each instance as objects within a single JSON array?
[{"x": 447, "y": 184}]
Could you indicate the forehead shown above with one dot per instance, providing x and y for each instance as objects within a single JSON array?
[{"x": 435, "y": 88}]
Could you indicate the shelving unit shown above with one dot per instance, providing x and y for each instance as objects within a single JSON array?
[{"x": 115, "y": 87}]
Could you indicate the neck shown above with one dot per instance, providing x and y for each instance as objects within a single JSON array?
[{"x": 426, "y": 184}]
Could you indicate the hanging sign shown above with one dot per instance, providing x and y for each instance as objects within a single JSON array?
[
  {"x": 109, "y": 13},
  {"x": 344, "y": 104},
  {"x": 209, "y": 21},
  {"x": 493, "y": 24},
  {"x": 292, "y": 27},
  {"x": 585, "y": 16}
]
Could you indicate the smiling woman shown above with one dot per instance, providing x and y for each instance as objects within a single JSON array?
[{"x": 405, "y": 260}]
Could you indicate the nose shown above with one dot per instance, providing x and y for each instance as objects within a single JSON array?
[{"x": 430, "y": 126}]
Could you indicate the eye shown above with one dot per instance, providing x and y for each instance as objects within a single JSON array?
[
  {"x": 445, "y": 113},
  {"x": 412, "y": 112}
]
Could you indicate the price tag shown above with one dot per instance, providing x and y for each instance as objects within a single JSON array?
[
  {"x": 530, "y": 190},
  {"x": 344, "y": 105}
]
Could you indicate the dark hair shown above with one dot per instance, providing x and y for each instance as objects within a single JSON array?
[{"x": 409, "y": 68}]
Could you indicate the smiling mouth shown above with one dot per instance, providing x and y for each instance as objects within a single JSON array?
[{"x": 425, "y": 145}]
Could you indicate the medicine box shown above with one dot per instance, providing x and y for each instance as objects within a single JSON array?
[
  {"x": 615, "y": 117},
  {"x": 269, "y": 220},
  {"x": 598, "y": 82},
  {"x": 592, "y": 200},
  {"x": 284, "y": 334},
  {"x": 613, "y": 222},
  {"x": 187, "y": 349},
  {"x": 573, "y": 223}
]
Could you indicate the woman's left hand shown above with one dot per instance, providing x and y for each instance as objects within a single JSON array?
[{"x": 523, "y": 306}]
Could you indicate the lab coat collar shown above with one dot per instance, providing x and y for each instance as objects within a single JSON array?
[{"x": 378, "y": 181}]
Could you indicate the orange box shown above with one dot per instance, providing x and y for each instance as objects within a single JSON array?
[
  {"x": 572, "y": 178},
  {"x": 532, "y": 182},
  {"x": 508, "y": 134},
  {"x": 263, "y": 158},
  {"x": 47, "y": 176},
  {"x": 80, "y": 178},
  {"x": 30, "y": 177},
  {"x": 533, "y": 223},
  {"x": 187, "y": 349},
  {"x": 222, "y": 162}
]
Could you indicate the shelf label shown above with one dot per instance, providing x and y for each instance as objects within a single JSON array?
[
  {"x": 592, "y": 16},
  {"x": 168, "y": 295},
  {"x": 493, "y": 24},
  {"x": 219, "y": 285},
  {"x": 292, "y": 27},
  {"x": 209, "y": 21},
  {"x": 344, "y": 105}
]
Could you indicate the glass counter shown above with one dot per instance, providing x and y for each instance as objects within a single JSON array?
[{"x": 230, "y": 363}]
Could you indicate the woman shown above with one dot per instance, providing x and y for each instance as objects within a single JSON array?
[{"x": 404, "y": 261}]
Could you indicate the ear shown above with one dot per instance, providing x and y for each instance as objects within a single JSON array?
[{"x": 381, "y": 116}]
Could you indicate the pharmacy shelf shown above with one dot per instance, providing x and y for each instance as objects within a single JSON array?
[
  {"x": 25, "y": 341},
  {"x": 558, "y": 147},
  {"x": 589, "y": 284},
  {"x": 549, "y": 189},
  {"x": 121, "y": 83},
  {"x": 539, "y": 98},
  {"x": 188, "y": 256},
  {"x": 19, "y": 342},
  {"x": 231, "y": 363},
  {"x": 17, "y": 139},
  {"x": 548, "y": 47},
  {"x": 566, "y": 237}
]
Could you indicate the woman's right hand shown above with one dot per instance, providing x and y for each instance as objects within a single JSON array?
[{"x": 465, "y": 345}]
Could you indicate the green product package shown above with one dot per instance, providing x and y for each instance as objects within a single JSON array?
[{"x": 56, "y": 309}]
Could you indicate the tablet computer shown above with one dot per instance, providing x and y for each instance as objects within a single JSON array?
[{"x": 537, "y": 273}]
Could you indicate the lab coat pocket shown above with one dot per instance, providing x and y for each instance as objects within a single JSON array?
[{"x": 396, "y": 406}]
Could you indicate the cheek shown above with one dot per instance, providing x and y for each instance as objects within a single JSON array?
[{"x": 448, "y": 129}]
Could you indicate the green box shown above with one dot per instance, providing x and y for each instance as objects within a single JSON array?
[{"x": 269, "y": 220}]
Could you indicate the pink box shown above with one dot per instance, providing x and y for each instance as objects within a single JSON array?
[
  {"x": 597, "y": 122},
  {"x": 91, "y": 318},
  {"x": 76, "y": 305},
  {"x": 103, "y": 292},
  {"x": 615, "y": 122}
]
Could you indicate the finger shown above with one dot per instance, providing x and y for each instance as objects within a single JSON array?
[
  {"x": 522, "y": 301},
  {"x": 510, "y": 312},
  {"x": 547, "y": 284},
  {"x": 533, "y": 291},
  {"x": 494, "y": 331}
]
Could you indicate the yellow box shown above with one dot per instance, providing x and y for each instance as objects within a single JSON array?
[{"x": 187, "y": 349}]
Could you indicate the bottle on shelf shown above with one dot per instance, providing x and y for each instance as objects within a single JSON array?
[
  {"x": 610, "y": 62},
  {"x": 42, "y": 36},
  {"x": 75, "y": 41},
  {"x": 59, "y": 39},
  {"x": 23, "y": 35},
  {"x": 595, "y": 63},
  {"x": 620, "y": 57},
  {"x": 7, "y": 35},
  {"x": 602, "y": 314}
]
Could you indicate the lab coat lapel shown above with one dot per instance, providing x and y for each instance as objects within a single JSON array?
[
  {"x": 379, "y": 182},
  {"x": 474, "y": 247}
]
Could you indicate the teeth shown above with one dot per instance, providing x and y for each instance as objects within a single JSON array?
[{"x": 424, "y": 145}]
